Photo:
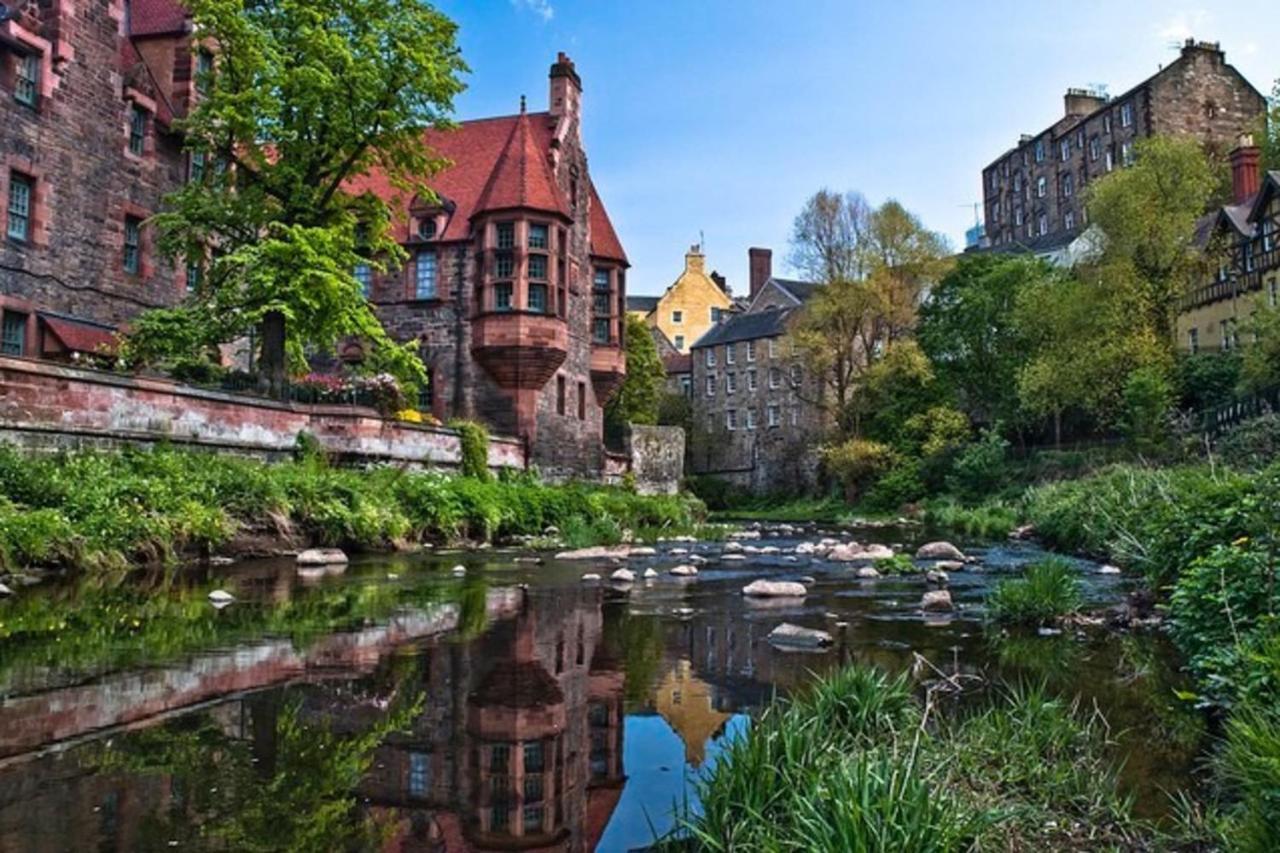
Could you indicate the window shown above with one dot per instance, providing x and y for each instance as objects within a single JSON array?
[
  {"x": 1039, "y": 150},
  {"x": 424, "y": 279},
  {"x": 427, "y": 228},
  {"x": 561, "y": 393},
  {"x": 502, "y": 297},
  {"x": 26, "y": 84},
  {"x": 677, "y": 316},
  {"x": 137, "y": 130},
  {"x": 1193, "y": 340},
  {"x": 533, "y": 760},
  {"x": 711, "y": 356},
  {"x": 600, "y": 330},
  {"x": 729, "y": 353},
  {"x": 751, "y": 350},
  {"x": 1225, "y": 332},
  {"x": 419, "y": 774},
  {"x": 196, "y": 161},
  {"x": 686, "y": 386},
  {"x": 504, "y": 265},
  {"x": 772, "y": 418},
  {"x": 1064, "y": 150},
  {"x": 679, "y": 342},
  {"x": 1042, "y": 187},
  {"x": 132, "y": 244},
  {"x": 751, "y": 418},
  {"x": 1095, "y": 148},
  {"x": 19, "y": 207},
  {"x": 1126, "y": 114},
  {"x": 506, "y": 235},
  {"x": 711, "y": 384},
  {"x": 1249, "y": 261},
  {"x": 1126, "y": 154},
  {"x": 1044, "y": 225},
  {"x": 538, "y": 267},
  {"x": 1017, "y": 217},
  {"x": 539, "y": 238},
  {"x": 797, "y": 374},
  {"x": 1106, "y": 123},
  {"x": 731, "y": 420},
  {"x": 730, "y": 383},
  {"x": 194, "y": 274},
  {"x": 533, "y": 814},
  {"x": 582, "y": 416},
  {"x": 1069, "y": 220},
  {"x": 775, "y": 377},
  {"x": 1080, "y": 139},
  {"x": 751, "y": 380},
  {"x": 538, "y": 298},
  {"x": 603, "y": 304},
  {"x": 1273, "y": 292},
  {"x": 364, "y": 274},
  {"x": 773, "y": 347},
  {"x": 1110, "y": 159},
  {"x": 715, "y": 314},
  {"x": 204, "y": 71},
  {"x": 1068, "y": 185},
  {"x": 13, "y": 333},
  {"x": 1269, "y": 229}
]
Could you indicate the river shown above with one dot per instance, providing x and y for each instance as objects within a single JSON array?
[{"x": 398, "y": 706}]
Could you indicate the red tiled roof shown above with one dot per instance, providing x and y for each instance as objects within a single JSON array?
[
  {"x": 80, "y": 337},
  {"x": 522, "y": 178},
  {"x": 604, "y": 240},
  {"x": 156, "y": 17}
]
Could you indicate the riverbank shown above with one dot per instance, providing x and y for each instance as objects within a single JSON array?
[{"x": 100, "y": 512}]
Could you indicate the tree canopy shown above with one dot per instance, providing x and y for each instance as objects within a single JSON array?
[{"x": 640, "y": 397}]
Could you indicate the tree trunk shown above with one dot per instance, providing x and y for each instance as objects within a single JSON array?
[
  {"x": 1057, "y": 429},
  {"x": 271, "y": 360}
]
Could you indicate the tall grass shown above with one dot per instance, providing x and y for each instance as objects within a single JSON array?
[
  {"x": 1047, "y": 591},
  {"x": 987, "y": 521}
]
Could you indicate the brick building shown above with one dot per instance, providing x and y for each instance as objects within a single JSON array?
[
  {"x": 87, "y": 152},
  {"x": 1033, "y": 193},
  {"x": 1242, "y": 245},
  {"x": 516, "y": 282},
  {"x": 756, "y": 422}
]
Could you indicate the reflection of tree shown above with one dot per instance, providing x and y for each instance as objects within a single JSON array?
[
  {"x": 640, "y": 640},
  {"x": 473, "y": 616},
  {"x": 289, "y": 787}
]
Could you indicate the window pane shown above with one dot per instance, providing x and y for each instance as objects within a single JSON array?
[
  {"x": 504, "y": 265},
  {"x": 502, "y": 297},
  {"x": 26, "y": 88},
  {"x": 425, "y": 282},
  {"x": 19, "y": 206},
  {"x": 601, "y": 331},
  {"x": 364, "y": 275},
  {"x": 537, "y": 236},
  {"x": 132, "y": 243},
  {"x": 538, "y": 298},
  {"x": 506, "y": 235},
  {"x": 601, "y": 279},
  {"x": 12, "y": 341},
  {"x": 538, "y": 267},
  {"x": 137, "y": 130}
]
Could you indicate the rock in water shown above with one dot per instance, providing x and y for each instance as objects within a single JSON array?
[
  {"x": 459, "y": 570},
  {"x": 794, "y": 636},
  {"x": 844, "y": 553},
  {"x": 220, "y": 598},
  {"x": 775, "y": 589},
  {"x": 732, "y": 547},
  {"x": 949, "y": 566},
  {"x": 643, "y": 551},
  {"x": 936, "y": 600},
  {"x": 623, "y": 576},
  {"x": 597, "y": 552},
  {"x": 683, "y": 571},
  {"x": 937, "y": 577},
  {"x": 5, "y": 591},
  {"x": 650, "y": 574},
  {"x": 322, "y": 557},
  {"x": 1109, "y": 570},
  {"x": 939, "y": 551},
  {"x": 876, "y": 552},
  {"x": 590, "y": 576},
  {"x": 868, "y": 572}
]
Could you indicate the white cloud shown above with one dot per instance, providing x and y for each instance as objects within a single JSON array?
[
  {"x": 1185, "y": 25},
  {"x": 541, "y": 8}
]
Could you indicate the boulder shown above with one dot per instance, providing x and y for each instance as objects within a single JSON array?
[
  {"x": 596, "y": 552},
  {"x": 771, "y": 549},
  {"x": 868, "y": 572},
  {"x": 745, "y": 534},
  {"x": 937, "y": 577},
  {"x": 806, "y": 548},
  {"x": 845, "y": 553},
  {"x": 936, "y": 600},
  {"x": 794, "y": 636},
  {"x": 1026, "y": 531},
  {"x": 643, "y": 551},
  {"x": 949, "y": 566},
  {"x": 589, "y": 577},
  {"x": 650, "y": 574},
  {"x": 734, "y": 557},
  {"x": 774, "y": 589},
  {"x": 807, "y": 580},
  {"x": 220, "y": 598},
  {"x": 939, "y": 551},
  {"x": 678, "y": 552},
  {"x": 732, "y": 547},
  {"x": 683, "y": 571},
  {"x": 877, "y": 552},
  {"x": 854, "y": 553},
  {"x": 321, "y": 557},
  {"x": 697, "y": 559},
  {"x": 459, "y": 570},
  {"x": 1109, "y": 570},
  {"x": 623, "y": 576},
  {"x": 5, "y": 591}
]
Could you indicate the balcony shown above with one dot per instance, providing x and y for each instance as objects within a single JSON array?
[
  {"x": 608, "y": 369},
  {"x": 519, "y": 349}
]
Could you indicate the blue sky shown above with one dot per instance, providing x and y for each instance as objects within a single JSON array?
[{"x": 722, "y": 117}]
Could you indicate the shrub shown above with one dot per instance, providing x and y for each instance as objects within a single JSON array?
[
  {"x": 1207, "y": 379},
  {"x": 1253, "y": 444},
  {"x": 898, "y": 564},
  {"x": 901, "y": 485},
  {"x": 475, "y": 448},
  {"x": 979, "y": 470},
  {"x": 856, "y": 463},
  {"x": 988, "y": 521},
  {"x": 1249, "y": 763},
  {"x": 1148, "y": 397},
  {"x": 713, "y": 491},
  {"x": 1047, "y": 591}
]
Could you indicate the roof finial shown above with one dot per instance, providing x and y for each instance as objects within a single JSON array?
[{"x": 522, "y": 104}]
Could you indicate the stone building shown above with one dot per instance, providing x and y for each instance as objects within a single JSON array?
[
  {"x": 87, "y": 153},
  {"x": 1033, "y": 193},
  {"x": 1242, "y": 245},
  {"x": 516, "y": 282},
  {"x": 756, "y": 421},
  {"x": 693, "y": 303}
]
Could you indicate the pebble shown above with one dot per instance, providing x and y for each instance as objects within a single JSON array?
[
  {"x": 650, "y": 574},
  {"x": 590, "y": 576},
  {"x": 623, "y": 576},
  {"x": 683, "y": 571},
  {"x": 459, "y": 570}
]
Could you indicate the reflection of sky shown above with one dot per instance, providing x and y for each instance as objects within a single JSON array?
[{"x": 653, "y": 759}]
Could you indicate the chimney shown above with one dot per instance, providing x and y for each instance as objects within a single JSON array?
[
  {"x": 721, "y": 282},
  {"x": 760, "y": 264},
  {"x": 694, "y": 260},
  {"x": 1246, "y": 177},
  {"x": 1081, "y": 102},
  {"x": 566, "y": 88}
]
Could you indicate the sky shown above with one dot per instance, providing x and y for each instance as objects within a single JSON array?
[{"x": 714, "y": 120}]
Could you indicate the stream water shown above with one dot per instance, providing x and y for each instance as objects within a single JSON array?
[{"x": 515, "y": 708}]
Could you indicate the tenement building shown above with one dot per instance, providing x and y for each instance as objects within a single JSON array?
[
  {"x": 1033, "y": 193},
  {"x": 516, "y": 283},
  {"x": 1241, "y": 241},
  {"x": 693, "y": 303},
  {"x": 87, "y": 152},
  {"x": 756, "y": 418}
]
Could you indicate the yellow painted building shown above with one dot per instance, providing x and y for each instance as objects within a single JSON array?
[
  {"x": 1246, "y": 236},
  {"x": 689, "y": 307}
]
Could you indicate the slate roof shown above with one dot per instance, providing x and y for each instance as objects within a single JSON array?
[
  {"x": 642, "y": 303},
  {"x": 746, "y": 327},
  {"x": 801, "y": 290}
]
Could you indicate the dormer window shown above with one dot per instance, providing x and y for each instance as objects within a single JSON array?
[
  {"x": 137, "y": 130},
  {"x": 427, "y": 228}
]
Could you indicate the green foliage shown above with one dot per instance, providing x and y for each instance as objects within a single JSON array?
[
  {"x": 1249, "y": 763},
  {"x": 715, "y": 492},
  {"x": 899, "y": 486},
  {"x": 899, "y": 386},
  {"x": 1048, "y": 591},
  {"x": 980, "y": 470},
  {"x": 1270, "y": 131},
  {"x": 993, "y": 520},
  {"x": 1260, "y": 369},
  {"x": 1148, "y": 397},
  {"x": 639, "y": 398},
  {"x": 856, "y": 463},
  {"x": 474, "y": 437},
  {"x": 1253, "y": 444},
  {"x": 898, "y": 564},
  {"x": 1206, "y": 379}
]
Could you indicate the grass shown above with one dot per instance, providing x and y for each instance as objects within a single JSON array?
[
  {"x": 827, "y": 510},
  {"x": 1048, "y": 591},
  {"x": 988, "y": 521},
  {"x": 858, "y": 763}
]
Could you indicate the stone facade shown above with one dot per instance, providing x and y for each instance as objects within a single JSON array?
[
  {"x": 756, "y": 421},
  {"x": 1033, "y": 193},
  {"x": 693, "y": 303},
  {"x": 657, "y": 458},
  {"x": 87, "y": 152}
]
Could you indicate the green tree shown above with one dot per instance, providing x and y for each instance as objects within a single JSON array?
[
  {"x": 1260, "y": 366},
  {"x": 306, "y": 97},
  {"x": 1271, "y": 131},
  {"x": 967, "y": 330},
  {"x": 902, "y": 259},
  {"x": 640, "y": 396},
  {"x": 1147, "y": 214},
  {"x": 1148, "y": 397}
]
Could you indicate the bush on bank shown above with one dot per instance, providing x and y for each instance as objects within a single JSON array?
[{"x": 98, "y": 510}]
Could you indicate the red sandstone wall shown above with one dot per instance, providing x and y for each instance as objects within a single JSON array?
[{"x": 48, "y": 405}]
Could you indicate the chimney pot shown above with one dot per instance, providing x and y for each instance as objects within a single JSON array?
[{"x": 1246, "y": 173}]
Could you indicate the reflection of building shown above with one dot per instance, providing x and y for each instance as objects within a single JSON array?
[{"x": 687, "y": 703}]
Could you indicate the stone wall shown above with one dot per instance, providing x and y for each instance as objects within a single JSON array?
[
  {"x": 657, "y": 459},
  {"x": 48, "y": 406}
]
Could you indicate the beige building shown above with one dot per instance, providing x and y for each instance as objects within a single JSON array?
[{"x": 690, "y": 306}]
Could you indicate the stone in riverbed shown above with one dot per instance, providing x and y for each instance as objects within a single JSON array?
[
  {"x": 806, "y": 548},
  {"x": 697, "y": 559},
  {"x": 597, "y": 552},
  {"x": 795, "y": 636},
  {"x": 854, "y": 553},
  {"x": 220, "y": 598},
  {"x": 1109, "y": 570},
  {"x": 732, "y": 547},
  {"x": 623, "y": 576},
  {"x": 678, "y": 552},
  {"x": 949, "y": 566},
  {"x": 937, "y": 577},
  {"x": 939, "y": 551},
  {"x": 936, "y": 600},
  {"x": 683, "y": 571},
  {"x": 774, "y": 589},
  {"x": 868, "y": 573},
  {"x": 643, "y": 551},
  {"x": 589, "y": 577},
  {"x": 5, "y": 591},
  {"x": 321, "y": 557},
  {"x": 650, "y": 574},
  {"x": 459, "y": 570},
  {"x": 733, "y": 557}
]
